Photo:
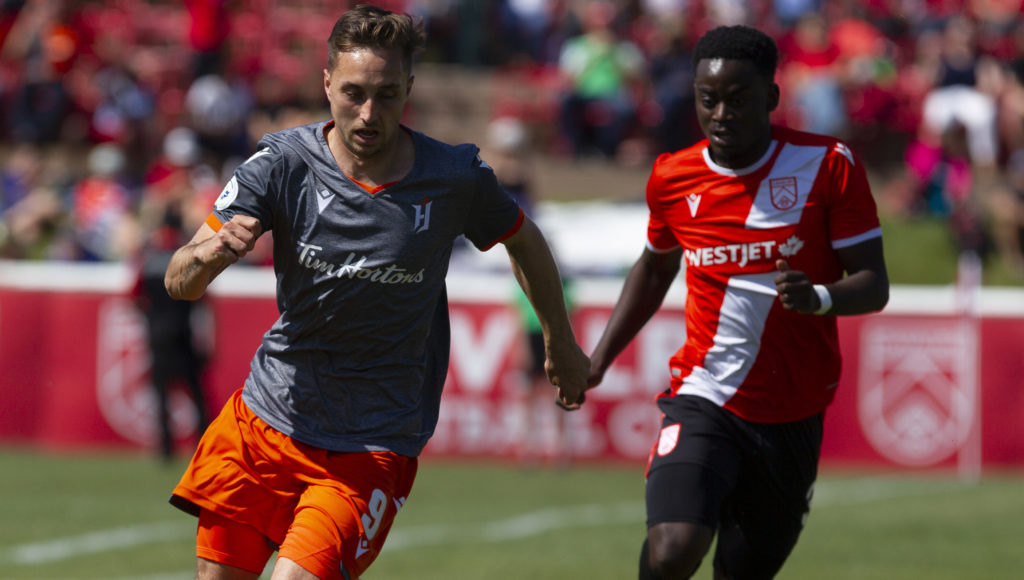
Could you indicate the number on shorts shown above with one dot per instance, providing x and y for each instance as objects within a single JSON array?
[{"x": 376, "y": 507}]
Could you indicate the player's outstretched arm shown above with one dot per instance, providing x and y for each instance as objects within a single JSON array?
[
  {"x": 535, "y": 270},
  {"x": 197, "y": 263},
  {"x": 864, "y": 289},
  {"x": 642, "y": 294}
]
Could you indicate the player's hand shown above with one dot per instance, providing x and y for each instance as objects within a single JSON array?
[
  {"x": 233, "y": 241},
  {"x": 568, "y": 368},
  {"x": 595, "y": 377},
  {"x": 561, "y": 401},
  {"x": 796, "y": 292}
]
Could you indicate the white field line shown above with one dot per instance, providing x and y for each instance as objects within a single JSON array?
[
  {"x": 520, "y": 526},
  {"x": 855, "y": 492},
  {"x": 177, "y": 575},
  {"x": 95, "y": 542}
]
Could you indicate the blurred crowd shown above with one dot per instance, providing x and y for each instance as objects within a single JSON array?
[{"x": 119, "y": 119}]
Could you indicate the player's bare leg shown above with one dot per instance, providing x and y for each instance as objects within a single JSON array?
[
  {"x": 210, "y": 570},
  {"x": 674, "y": 550},
  {"x": 285, "y": 569}
]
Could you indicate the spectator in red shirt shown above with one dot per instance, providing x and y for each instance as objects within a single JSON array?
[{"x": 812, "y": 71}]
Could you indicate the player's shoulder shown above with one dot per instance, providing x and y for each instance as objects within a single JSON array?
[
  {"x": 287, "y": 151},
  {"x": 797, "y": 137},
  {"x": 292, "y": 141},
  {"x": 460, "y": 154},
  {"x": 455, "y": 162},
  {"x": 673, "y": 163},
  {"x": 835, "y": 148}
]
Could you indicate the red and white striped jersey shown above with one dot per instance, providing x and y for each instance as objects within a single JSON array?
[{"x": 805, "y": 198}]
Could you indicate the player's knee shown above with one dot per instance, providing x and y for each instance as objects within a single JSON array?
[
  {"x": 675, "y": 550},
  {"x": 671, "y": 564}
]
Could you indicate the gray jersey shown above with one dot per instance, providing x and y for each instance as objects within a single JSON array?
[{"x": 359, "y": 355}]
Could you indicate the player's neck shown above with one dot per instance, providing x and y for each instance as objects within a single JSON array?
[{"x": 388, "y": 165}]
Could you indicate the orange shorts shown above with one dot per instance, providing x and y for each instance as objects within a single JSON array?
[{"x": 256, "y": 490}]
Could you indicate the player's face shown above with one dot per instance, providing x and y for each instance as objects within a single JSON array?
[
  {"x": 734, "y": 105},
  {"x": 367, "y": 91}
]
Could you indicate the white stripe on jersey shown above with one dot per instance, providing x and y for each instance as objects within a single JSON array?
[
  {"x": 852, "y": 241},
  {"x": 794, "y": 162},
  {"x": 258, "y": 154},
  {"x": 845, "y": 151},
  {"x": 745, "y": 307}
]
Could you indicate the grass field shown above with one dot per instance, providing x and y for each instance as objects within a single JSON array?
[
  {"x": 77, "y": 517},
  {"x": 921, "y": 251}
]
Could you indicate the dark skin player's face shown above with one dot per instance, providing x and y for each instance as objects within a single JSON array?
[{"x": 734, "y": 105}]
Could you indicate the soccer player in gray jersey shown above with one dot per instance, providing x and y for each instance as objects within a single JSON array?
[{"x": 316, "y": 453}]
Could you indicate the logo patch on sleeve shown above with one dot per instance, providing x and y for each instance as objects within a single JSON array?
[{"x": 227, "y": 197}]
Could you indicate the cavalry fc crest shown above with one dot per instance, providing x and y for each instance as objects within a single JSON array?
[
  {"x": 916, "y": 400},
  {"x": 783, "y": 192}
]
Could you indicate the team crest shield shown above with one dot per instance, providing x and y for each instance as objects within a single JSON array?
[
  {"x": 668, "y": 439},
  {"x": 783, "y": 192},
  {"x": 915, "y": 399}
]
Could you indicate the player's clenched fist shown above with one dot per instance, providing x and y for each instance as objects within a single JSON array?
[
  {"x": 234, "y": 239},
  {"x": 195, "y": 265},
  {"x": 795, "y": 290}
]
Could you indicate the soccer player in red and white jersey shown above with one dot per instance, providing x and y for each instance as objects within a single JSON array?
[{"x": 779, "y": 234}]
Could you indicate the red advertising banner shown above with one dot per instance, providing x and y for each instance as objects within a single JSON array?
[{"x": 922, "y": 386}]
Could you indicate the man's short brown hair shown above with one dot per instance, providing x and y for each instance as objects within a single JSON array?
[{"x": 367, "y": 26}]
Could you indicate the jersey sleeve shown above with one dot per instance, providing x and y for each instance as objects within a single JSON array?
[
  {"x": 494, "y": 216},
  {"x": 852, "y": 213},
  {"x": 660, "y": 237},
  {"x": 251, "y": 190}
]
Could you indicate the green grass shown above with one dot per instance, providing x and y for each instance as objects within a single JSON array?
[
  {"x": 85, "y": 516},
  {"x": 921, "y": 250}
]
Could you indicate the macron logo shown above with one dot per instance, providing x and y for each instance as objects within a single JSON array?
[
  {"x": 323, "y": 199},
  {"x": 693, "y": 200}
]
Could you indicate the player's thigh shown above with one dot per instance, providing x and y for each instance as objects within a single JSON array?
[
  {"x": 763, "y": 519},
  {"x": 685, "y": 492},
  {"x": 683, "y": 509},
  {"x": 208, "y": 570},
  {"x": 285, "y": 569},
  {"x": 693, "y": 465},
  {"x": 229, "y": 550},
  {"x": 340, "y": 525},
  {"x": 755, "y": 541}
]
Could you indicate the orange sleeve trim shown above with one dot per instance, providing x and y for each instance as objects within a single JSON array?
[
  {"x": 214, "y": 222},
  {"x": 511, "y": 232}
]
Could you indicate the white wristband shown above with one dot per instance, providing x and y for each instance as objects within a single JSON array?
[{"x": 824, "y": 297}]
